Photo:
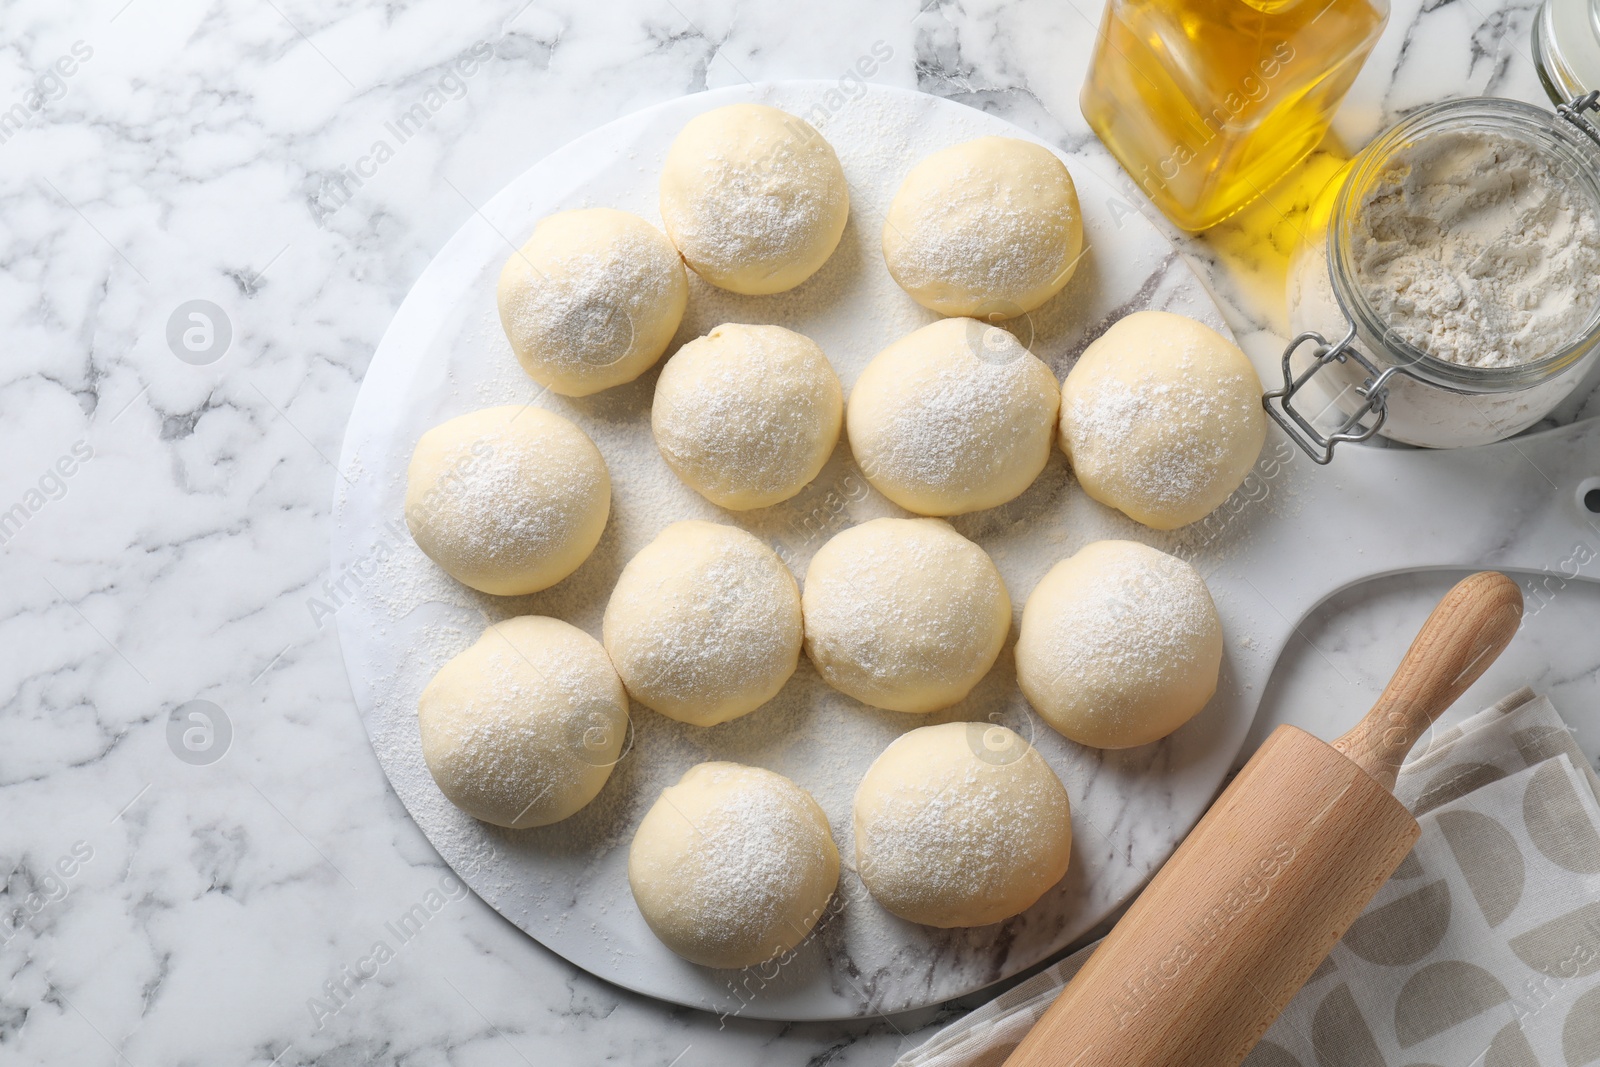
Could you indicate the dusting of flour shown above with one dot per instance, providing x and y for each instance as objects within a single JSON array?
[{"x": 566, "y": 884}]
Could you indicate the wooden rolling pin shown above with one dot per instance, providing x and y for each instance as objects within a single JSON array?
[{"x": 1256, "y": 897}]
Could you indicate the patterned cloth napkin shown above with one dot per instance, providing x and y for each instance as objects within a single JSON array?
[{"x": 1483, "y": 950}]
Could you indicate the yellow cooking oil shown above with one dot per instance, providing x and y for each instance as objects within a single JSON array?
[{"x": 1206, "y": 103}]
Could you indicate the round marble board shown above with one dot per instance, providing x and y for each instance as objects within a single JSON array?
[{"x": 400, "y": 618}]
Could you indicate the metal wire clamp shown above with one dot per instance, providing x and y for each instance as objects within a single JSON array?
[
  {"x": 1573, "y": 113},
  {"x": 1374, "y": 393}
]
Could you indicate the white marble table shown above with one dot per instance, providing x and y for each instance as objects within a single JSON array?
[{"x": 171, "y": 543}]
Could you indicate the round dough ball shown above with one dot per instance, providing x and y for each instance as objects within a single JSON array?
[
  {"x": 523, "y": 728},
  {"x": 961, "y": 824},
  {"x": 989, "y": 228},
  {"x": 704, "y": 624},
  {"x": 1120, "y": 645},
  {"x": 1161, "y": 419},
  {"x": 508, "y": 500},
  {"x": 733, "y": 865},
  {"x": 754, "y": 198},
  {"x": 747, "y": 415},
  {"x": 904, "y": 614},
  {"x": 955, "y": 417},
  {"x": 592, "y": 300}
]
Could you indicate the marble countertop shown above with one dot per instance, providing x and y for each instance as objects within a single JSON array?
[{"x": 210, "y": 890}]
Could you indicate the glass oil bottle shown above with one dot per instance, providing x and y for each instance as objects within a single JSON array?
[{"x": 1207, "y": 102}]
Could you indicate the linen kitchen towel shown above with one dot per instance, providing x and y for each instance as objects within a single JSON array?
[{"x": 1482, "y": 951}]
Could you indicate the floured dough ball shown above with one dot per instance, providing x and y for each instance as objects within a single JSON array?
[
  {"x": 704, "y": 624},
  {"x": 592, "y": 300},
  {"x": 989, "y": 228},
  {"x": 733, "y": 865},
  {"x": 904, "y": 614},
  {"x": 508, "y": 500},
  {"x": 955, "y": 417},
  {"x": 522, "y": 729},
  {"x": 1161, "y": 419},
  {"x": 1120, "y": 645},
  {"x": 747, "y": 415},
  {"x": 961, "y": 824},
  {"x": 754, "y": 198}
]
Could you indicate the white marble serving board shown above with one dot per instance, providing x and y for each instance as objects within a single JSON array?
[{"x": 1269, "y": 556}]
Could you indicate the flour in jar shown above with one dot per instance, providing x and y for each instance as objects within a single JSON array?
[{"x": 1474, "y": 248}]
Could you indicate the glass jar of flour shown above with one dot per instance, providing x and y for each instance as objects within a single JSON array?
[{"x": 1446, "y": 291}]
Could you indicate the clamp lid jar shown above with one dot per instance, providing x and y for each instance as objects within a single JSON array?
[{"x": 1446, "y": 291}]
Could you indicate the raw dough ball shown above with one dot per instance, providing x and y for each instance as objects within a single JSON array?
[
  {"x": 962, "y": 824},
  {"x": 747, "y": 415},
  {"x": 591, "y": 300},
  {"x": 508, "y": 500},
  {"x": 989, "y": 228},
  {"x": 1162, "y": 419},
  {"x": 754, "y": 198},
  {"x": 955, "y": 417},
  {"x": 733, "y": 865},
  {"x": 523, "y": 728},
  {"x": 704, "y": 624},
  {"x": 1120, "y": 645},
  {"x": 904, "y": 614}
]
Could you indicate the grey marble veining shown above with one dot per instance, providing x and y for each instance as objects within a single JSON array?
[{"x": 164, "y": 909}]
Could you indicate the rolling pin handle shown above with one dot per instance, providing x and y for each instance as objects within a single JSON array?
[{"x": 1471, "y": 627}]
